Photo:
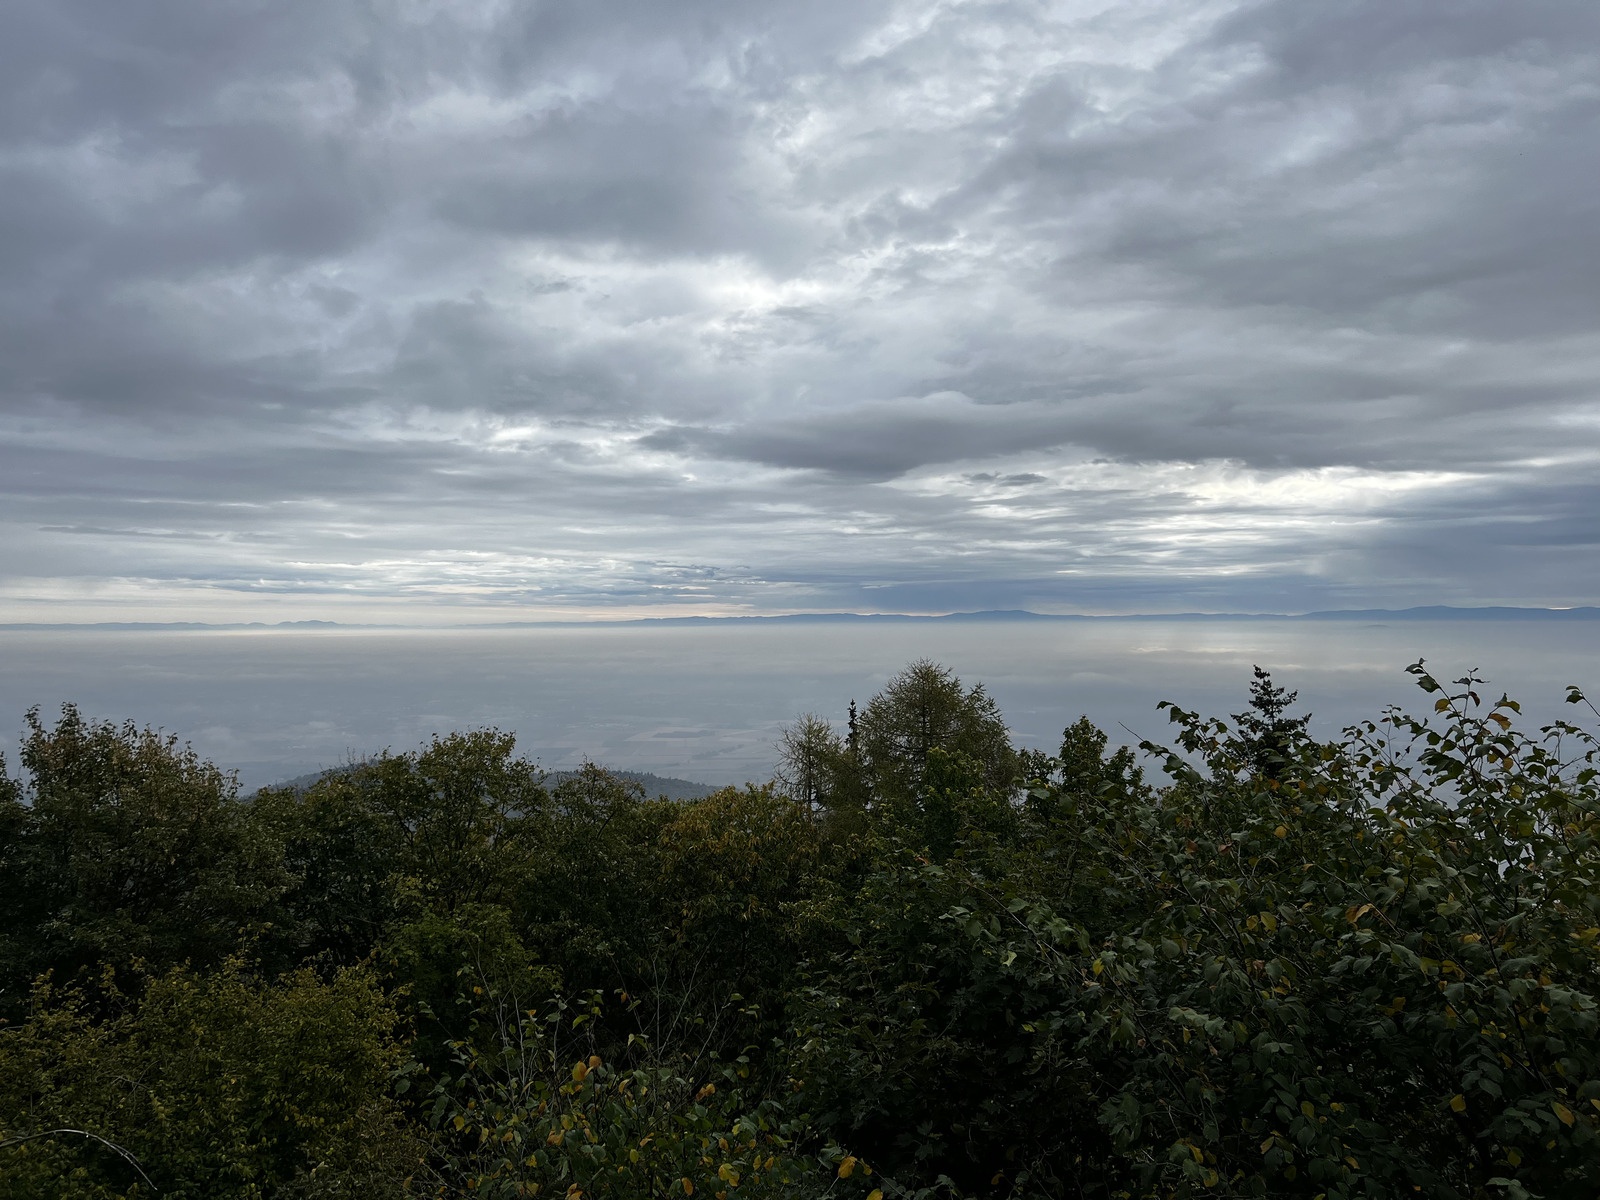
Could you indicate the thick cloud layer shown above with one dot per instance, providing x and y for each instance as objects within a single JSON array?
[{"x": 414, "y": 309}]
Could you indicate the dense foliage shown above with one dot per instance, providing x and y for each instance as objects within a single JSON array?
[{"x": 920, "y": 962}]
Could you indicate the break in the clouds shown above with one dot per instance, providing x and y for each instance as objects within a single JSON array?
[{"x": 325, "y": 309}]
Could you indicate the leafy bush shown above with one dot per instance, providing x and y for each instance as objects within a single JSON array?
[
  {"x": 222, "y": 1085},
  {"x": 1374, "y": 972},
  {"x": 528, "y": 1113}
]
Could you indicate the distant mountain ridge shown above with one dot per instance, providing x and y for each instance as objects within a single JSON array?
[
  {"x": 1431, "y": 612},
  {"x": 1444, "y": 612}
]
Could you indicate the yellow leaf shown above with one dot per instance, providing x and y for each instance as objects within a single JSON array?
[
  {"x": 875, "y": 1194},
  {"x": 688, "y": 1188},
  {"x": 1211, "y": 1179},
  {"x": 594, "y": 1061},
  {"x": 1471, "y": 938},
  {"x": 1563, "y": 1113},
  {"x": 579, "y": 1073},
  {"x": 1458, "y": 1103},
  {"x": 460, "y": 1122},
  {"x": 1308, "y": 1108},
  {"x": 847, "y": 1166},
  {"x": 1281, "y": 831}
]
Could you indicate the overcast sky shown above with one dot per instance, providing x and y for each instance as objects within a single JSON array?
[{"x": 438, "y": 311}]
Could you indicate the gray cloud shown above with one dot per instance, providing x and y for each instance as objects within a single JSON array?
[{"x": 378, "y": 309}]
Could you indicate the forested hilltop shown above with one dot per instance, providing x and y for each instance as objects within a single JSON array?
[{"x": 920, "y": 962}]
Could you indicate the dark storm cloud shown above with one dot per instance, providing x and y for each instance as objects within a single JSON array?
[{"x": 798, "y": 305}]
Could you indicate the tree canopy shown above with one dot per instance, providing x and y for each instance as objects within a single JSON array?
[{"x": 922, "y": 962}]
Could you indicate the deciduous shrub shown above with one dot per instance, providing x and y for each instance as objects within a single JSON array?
[{"x": 216, "y": 1085}]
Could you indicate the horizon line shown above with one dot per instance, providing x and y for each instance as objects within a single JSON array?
[{"x": 1415, "y": 612}]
